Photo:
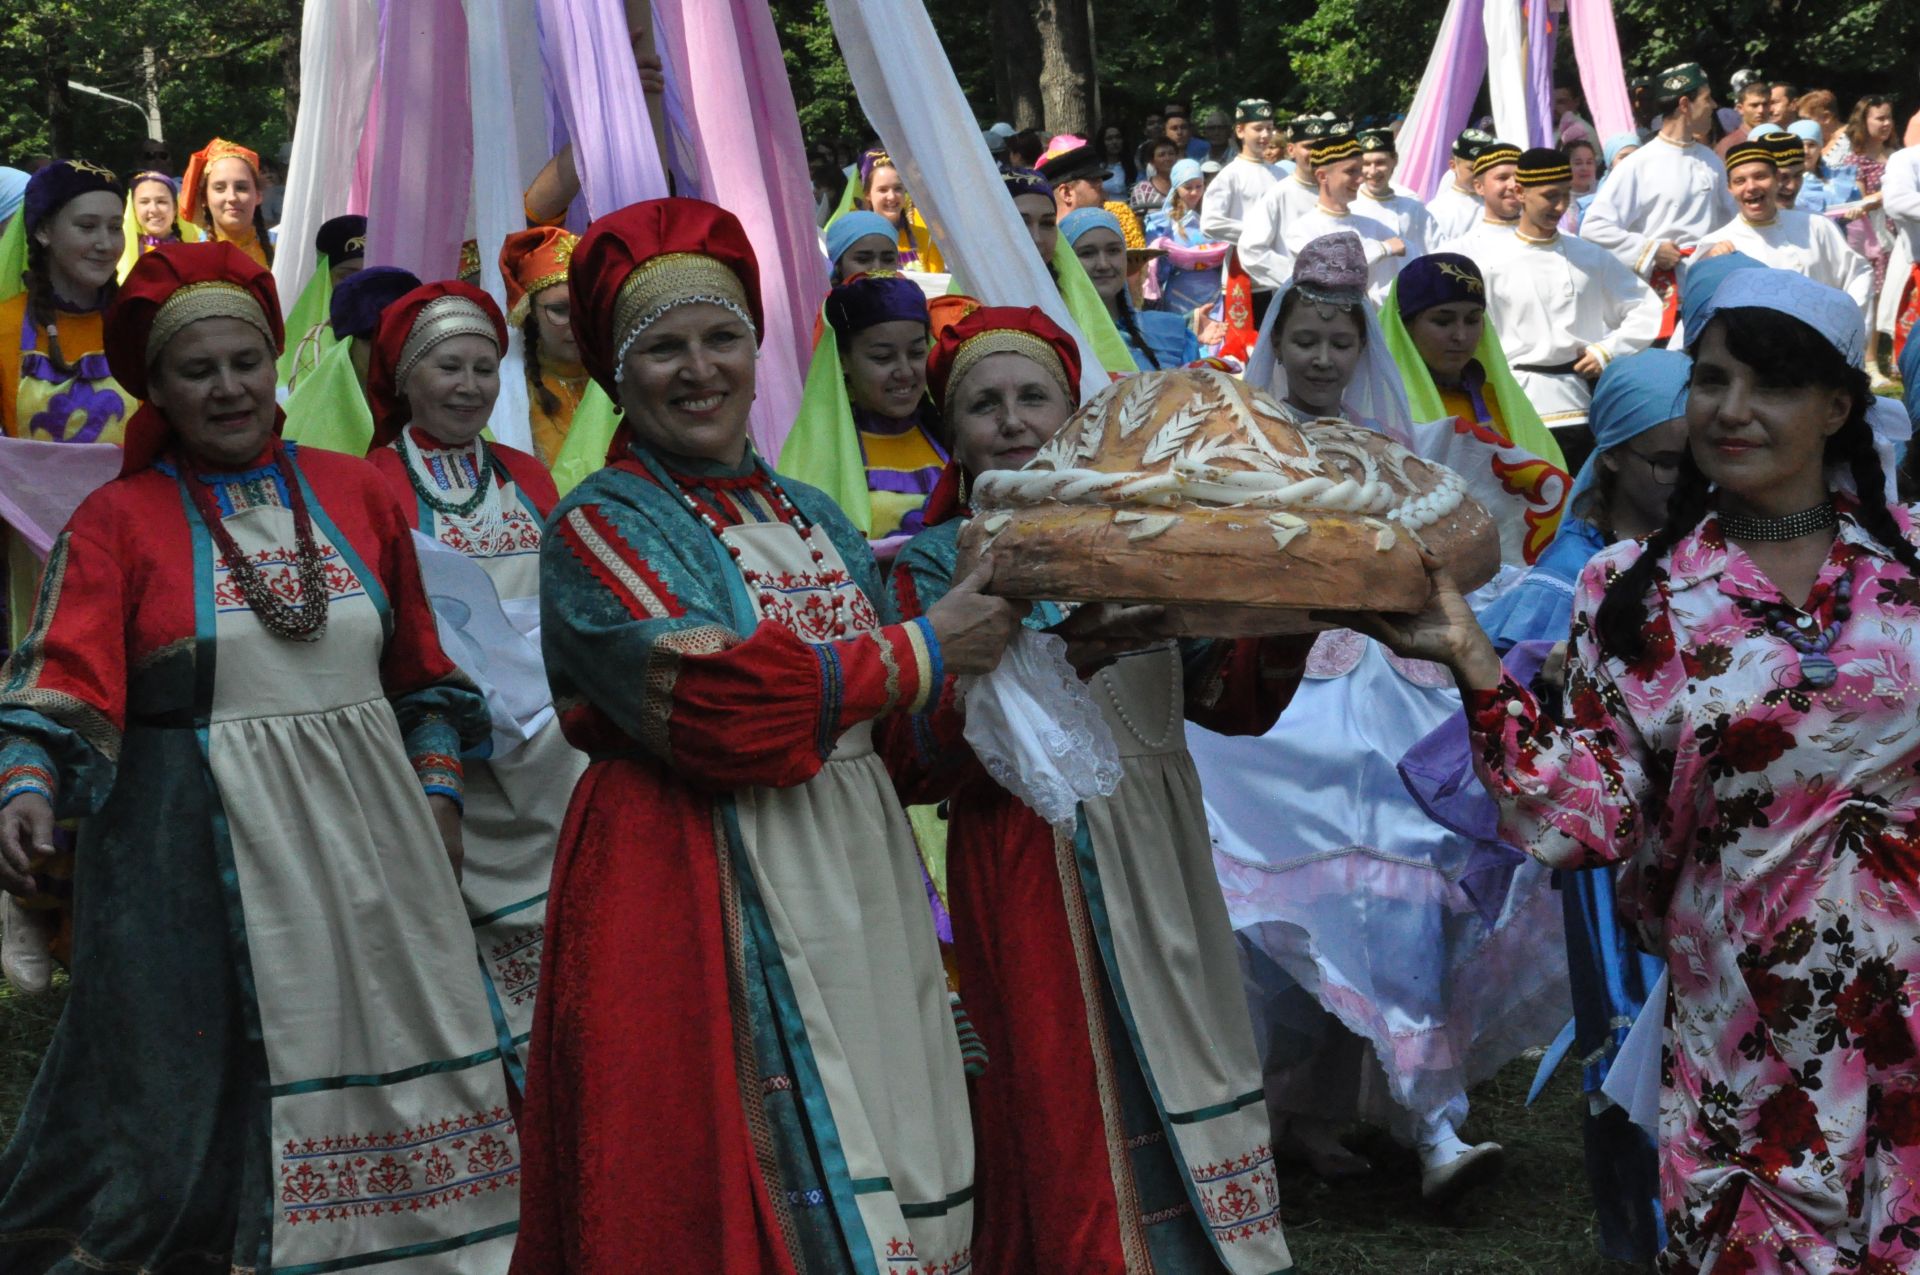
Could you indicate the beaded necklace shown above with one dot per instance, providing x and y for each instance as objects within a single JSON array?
[
  {"x": 303, "y": 623},
  {"x": 490, "y": 472},
  {"x": 1817, "y": 669}
]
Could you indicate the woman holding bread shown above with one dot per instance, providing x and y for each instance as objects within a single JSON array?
[
  {"x": 1120, "y": 1121},
  {"x": 1744, "y": 743}
]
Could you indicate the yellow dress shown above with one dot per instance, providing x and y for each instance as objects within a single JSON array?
[
  {"x": 567, "y": 382},
  {"x": 250, "y": 245}
]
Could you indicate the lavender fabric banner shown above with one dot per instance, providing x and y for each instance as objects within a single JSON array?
[
  {"x": 725, "y": 57},
  {"x": 42, "y": 483},
  {"x": 588, "y": 52},
  {"x": 1603, "y": 80},
  {"x": 1541, "y": 34},
  {"x": 423, "y": 159},
  {"x": 1445, "y": 97}
]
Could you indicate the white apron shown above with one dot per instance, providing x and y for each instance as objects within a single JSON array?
[
  {"x": 839, "y": 877},
  {"x": 388, "y": 1104},
  {"x": 1170, "y": 950}
]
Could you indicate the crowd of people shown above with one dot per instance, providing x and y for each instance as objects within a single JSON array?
[{"x": 581, "y": 857}]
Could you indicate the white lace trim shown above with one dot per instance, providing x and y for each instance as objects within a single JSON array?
[{"x": 1035, "y": 727}]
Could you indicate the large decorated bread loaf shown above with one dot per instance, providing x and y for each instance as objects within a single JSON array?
[{"x": 1193, "y": 490}]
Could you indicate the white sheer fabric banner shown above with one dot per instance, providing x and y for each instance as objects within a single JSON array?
[
  {"x": 1507, "y": 71},
  {"x": 915, "y": 104},
  {"x": 339, "y": 49},
  {"x": 498, "y": 189}
]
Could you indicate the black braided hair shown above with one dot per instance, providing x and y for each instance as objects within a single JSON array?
[
  {"x": 260, "y": 230},
  {"x": 1131, "y": 323},
  {"x": 530, "y": 364},
  {"x": 43, "y": 302},
  {"x": 1796, "y": 357}
]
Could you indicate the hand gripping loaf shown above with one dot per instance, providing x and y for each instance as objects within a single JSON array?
[{"x": 1192, "y": 490}]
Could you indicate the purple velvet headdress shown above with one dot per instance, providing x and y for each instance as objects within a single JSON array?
[
  {"x": 870, "y": 299},
  {"x": 62, "y": 182},
  {"x": 355, "y": 307},
  {"x": 1440, "y": 278}
]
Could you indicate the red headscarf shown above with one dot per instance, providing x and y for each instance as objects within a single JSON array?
[
  {"x": 218, "y": 148},
  {"x": 621, "y": 242},
  {"x": 1030, "y": 320},
  {"x": 385, "y": 393},
  {"x": 142, "y": 301},
  {"x": 953, "y": 335}
]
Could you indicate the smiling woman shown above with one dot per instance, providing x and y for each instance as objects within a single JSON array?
[
  {"x": 233, "y": 681},
  {"x": 222, "y": 192},
  {"x": 745, "y": 1058},
  {"x": 1155, "y": 338}
]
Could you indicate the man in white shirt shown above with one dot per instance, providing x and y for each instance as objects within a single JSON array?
[
  {"x": 1455, "y": 208},
  {"x": 1660, "y": 202},
  {"x": 1900, "y": 200},
  {"x": 1380, "y": 199},
  {"x": 1336, "y": 171},
  {"x": 1783, "y": 237},
  {"x": 1562, "y": 307},
  {"x": 1245, "y": 178},
  {"x": 1496, "y": 182},
  {"x": 1263, "y": 233}
]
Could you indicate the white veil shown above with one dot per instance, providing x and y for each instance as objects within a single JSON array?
[{"x": 1375, "y": 397}]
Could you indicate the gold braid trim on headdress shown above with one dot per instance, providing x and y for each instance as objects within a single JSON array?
[
  {"x": 1008, "y": 341},
  {"x": 669, "y": 280},
  {"x": 213, "y": 299},
  {"x": 439, "y": 320}
]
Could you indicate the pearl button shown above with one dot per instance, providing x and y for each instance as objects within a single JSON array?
[
  {"x": 1515, "y": 708},
  {"x": 1805, "y": 621}
]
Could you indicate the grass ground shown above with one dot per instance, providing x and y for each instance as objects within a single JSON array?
[{"x": 1534, "y": 1221}]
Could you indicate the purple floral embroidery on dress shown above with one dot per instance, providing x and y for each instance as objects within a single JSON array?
[{"x": 80, "y": 411}]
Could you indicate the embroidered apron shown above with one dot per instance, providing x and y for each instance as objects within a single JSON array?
[
  {"x": 514, "y": 804},
  {"x": 1139, "y": 881},
  {"x": 387, "y": 1103},
  {"x": 838, "y": 875}
]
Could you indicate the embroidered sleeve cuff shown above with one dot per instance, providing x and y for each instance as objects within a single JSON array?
[{"x": 25, "y": 766}]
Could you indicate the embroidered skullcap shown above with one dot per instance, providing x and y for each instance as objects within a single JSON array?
[
  {"x": 1682, "y": 81},
  {"x": 1787, "y": 150},
  {"x": 1333, "y": 148},
  {"x": 1002, "y": 330},
  {"x": 849, "y": 228},
  {"x": 59, "y": 184},
  {"x": 1751, "y": 152},
  {"x": 168, "y": 289},
  {"x": 1471, "y": 142},
  {"x": 1252, "y": 109},
  {"x": 867, "y": 300},
  {"x": 1079, "y": 164},
  {"x": 1026, "y": 181},
  {"x": 409, "y": 329},
  {"x": 341, "y": 237},
  {"x": 1439, "y": 278},
  {"x": 192, "y": 193},
  {"x": 1544, "y": 166},
  {"x": 1313, "y": 128},
  {"x": 639, "y": 262},
  {"x": 1702, "y": 279},
  {"x": 1808, "y": 131},
  {"x": 1742, "y": 78},
  {"x": 1828, "y": 311},
  {"x": 1633, "y": 395},
  {"x": 1377, "y": 141},
  {"x": 1081, "y": 220},
  {"x": 468, "y": 270},
  {"x": 532, "y": 261},
  {"x": 356, "y": 304},
  {"x": 1332, "y": 269},
  {"x": 1491, "y": 157},
  {"x": 1617, "y": 143}
]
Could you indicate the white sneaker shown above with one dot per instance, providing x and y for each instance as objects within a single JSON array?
[
  {"x": 26, "y": 958},
  {"x": 1443, "y": 1179}
]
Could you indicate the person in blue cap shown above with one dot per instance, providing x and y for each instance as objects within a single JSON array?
[
  {"x": 861, "y": 242},
  {"x": 1157, "y": 339}
]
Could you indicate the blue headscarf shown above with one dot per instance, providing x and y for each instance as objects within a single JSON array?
[
  {"x": 13, "y": 188},
  {"x": 1701, "y": 281},
  {"x": 1614, "y": 145},
  {"x": 1081, "y": 220},
  {"x": 850, "y": 228},
  {"x": 1808, "y": 131},
  {"x": 1633, "y": 395}
]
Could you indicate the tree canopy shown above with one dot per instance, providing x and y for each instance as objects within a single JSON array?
[{"x": 232, "y": 69}]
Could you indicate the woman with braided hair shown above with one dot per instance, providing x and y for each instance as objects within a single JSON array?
[
  {"x": 222, "y": 193},
  {"x": 1157, "y": 339},
  {"x": 1744, "y": 743}
]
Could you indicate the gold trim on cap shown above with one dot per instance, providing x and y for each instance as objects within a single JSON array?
[
  {"x": 1493, "y": 157},
  {"x": 212, "y": 299},
  {"x": 669, "y": 280},
  {"x": 1007, "y": 341},
  {"x": 439, "y": 320}
]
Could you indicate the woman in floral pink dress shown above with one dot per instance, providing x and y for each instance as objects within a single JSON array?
[{"x": 1745, "y": 743}]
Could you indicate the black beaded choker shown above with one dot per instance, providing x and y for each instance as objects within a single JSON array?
[{"x": 1788, "y": 527}]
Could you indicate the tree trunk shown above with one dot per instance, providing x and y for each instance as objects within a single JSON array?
[
  {"x": 1016, "y": 72},
  {"x": 59, "y": 96},
  {"x": 290, "y": 66},
  {"x": 1225, "y": 44},
  {"x": 1066, "y": 65}
]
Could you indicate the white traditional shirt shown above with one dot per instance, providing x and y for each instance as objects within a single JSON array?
[
  {"x": 1408, "y": 217},
  {"x": 1805, "y": 244},
  {"x": 1553, "y": 300},
  {"x": 1900, "y": 195},
  {"x": 1455, "y": 212},
  {"x": 1662, "y": 191},
  {"x": 1382, "y": 266},
  {"x": 1263, "y": 235},
  {"x": 1240, "y": 184}
]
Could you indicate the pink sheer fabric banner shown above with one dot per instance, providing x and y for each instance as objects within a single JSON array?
[
  {"x": 726, "y": 59},
  {"x": 1596, "y": 46},
  {"x": 590, "y": 71},
  {"x": 42, "y": 483},
  {"x": 1445, "y": 97},
  {"x": 423, "y": 158}
]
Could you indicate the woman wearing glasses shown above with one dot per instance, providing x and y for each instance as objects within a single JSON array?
[{"x": 534, "y": 264}]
